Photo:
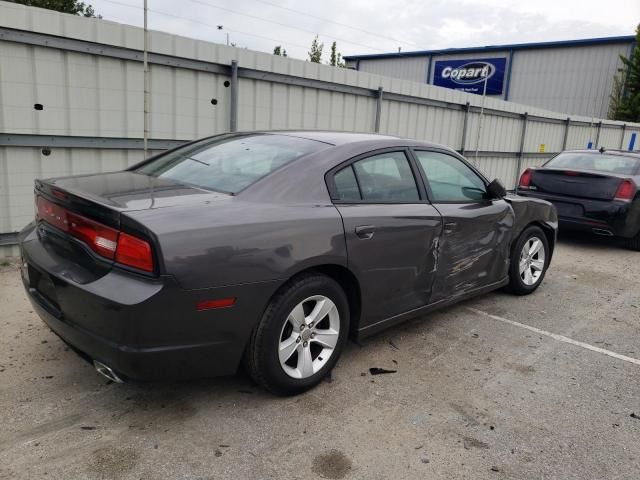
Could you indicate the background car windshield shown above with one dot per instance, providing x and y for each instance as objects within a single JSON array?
[
  {"x": 230, "y": 163},
  {"x": 595, "y": 161}
]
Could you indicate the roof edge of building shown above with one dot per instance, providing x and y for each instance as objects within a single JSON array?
[{"x": 496, "y": 48}]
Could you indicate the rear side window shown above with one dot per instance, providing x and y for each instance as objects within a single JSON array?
[
  {"x": 346, "y": 184},
  {"x": 381, "y": 178},
  {"x": 229, "y": 163},
  {"x": 599, "y": 162}
]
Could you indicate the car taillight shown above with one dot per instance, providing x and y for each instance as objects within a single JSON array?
[
  {"x": 134, "y": 252},
  {"x": 101, "y": 239},
  {"x": 105, "y": 241},
  {"x": 525, "y": 179},
  {"x": 626, "y": 191}
]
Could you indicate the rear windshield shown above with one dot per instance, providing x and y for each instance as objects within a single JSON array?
[
  {"x": 600, "y": 162},
  {"x": 229, "y": 163}
]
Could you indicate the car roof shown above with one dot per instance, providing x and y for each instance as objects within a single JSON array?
[
  {"x": 339, "y": 138},
  {"x": 332, "y": 137},
  {"x": 625, "y": 153}
]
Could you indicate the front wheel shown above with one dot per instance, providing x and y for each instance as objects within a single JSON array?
[
  {"x": 529, "y": 261},
  {"x": 300, "y": 336}
]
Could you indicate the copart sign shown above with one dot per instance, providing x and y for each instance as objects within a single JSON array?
[{"x": 470, "y": 75}]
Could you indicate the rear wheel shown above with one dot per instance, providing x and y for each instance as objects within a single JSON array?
[
  {"x": 300, "y": 336},
  {"x": 529, "y": 261}
]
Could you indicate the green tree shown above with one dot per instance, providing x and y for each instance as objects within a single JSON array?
[
  {"x": 315, "y": 54},
  {"x": 280, "y": 51},
  {"x": 336, "y": 57},
  {"x": 626, "y": 105},
  {"x": 617, "y": 94},
  {"x": 74, "y": 7}
]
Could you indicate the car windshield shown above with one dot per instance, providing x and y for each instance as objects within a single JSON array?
[
  {"x": 600, "y": 162},
  {"x": 229, "y": 163}
]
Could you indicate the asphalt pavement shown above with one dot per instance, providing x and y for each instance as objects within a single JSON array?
[{"x": 538, "y": 387}]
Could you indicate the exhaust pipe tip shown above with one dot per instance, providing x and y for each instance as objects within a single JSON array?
[
  {"x": 106, "y": 371},
  {"x": 602, "y": 231}
]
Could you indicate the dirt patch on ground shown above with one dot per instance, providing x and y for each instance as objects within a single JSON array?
[
  {"x": 333, "y": 464},
  {"x": 470, "y": 442},
  {"x": 523, "y": 369},
  {"x": 112, "y": 462}
]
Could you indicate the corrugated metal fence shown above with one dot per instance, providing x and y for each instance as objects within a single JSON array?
[{"x": 71, "y": 96}]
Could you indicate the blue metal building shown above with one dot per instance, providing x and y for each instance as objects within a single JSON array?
[{"x": 572, "y": 76}]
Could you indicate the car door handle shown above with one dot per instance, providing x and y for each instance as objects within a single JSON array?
[{"x": 365, "y": 231}]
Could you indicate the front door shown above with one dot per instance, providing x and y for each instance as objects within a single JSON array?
[
  {"x": 391, "y": 233},
  {"x": 474, "y": 249}
]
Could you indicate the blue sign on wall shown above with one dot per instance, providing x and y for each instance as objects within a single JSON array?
[{"x": 469, "y": 75}]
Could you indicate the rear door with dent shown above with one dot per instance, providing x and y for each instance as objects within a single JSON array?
[{"x": 391, "y": 231}]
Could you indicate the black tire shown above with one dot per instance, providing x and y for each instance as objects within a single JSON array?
[
  {"x": 633, "y": 243},
  {"x": 261, "y": 358},
  {"x": 516, "y": 283}
]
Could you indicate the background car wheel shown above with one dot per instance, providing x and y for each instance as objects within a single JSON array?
[
  {"x": 634, "y": 243},
  {"x": 300, "y": 336},
  {"x": 529, "y": 261}
]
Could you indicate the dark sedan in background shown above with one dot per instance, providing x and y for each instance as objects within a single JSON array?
[
  {"x": 270, "y": 248},
  {"x": 593, "y": 190}
]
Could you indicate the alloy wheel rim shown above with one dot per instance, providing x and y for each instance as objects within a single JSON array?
[
  {"x": 309, "y": 336},
  {"x": 532, "y": 258}
]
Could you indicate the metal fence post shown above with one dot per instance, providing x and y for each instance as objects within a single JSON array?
[
  {"x": 145, "y": 82},
  {"x": 465, "y": 123},
  {"x": 376, "y": 127},
  {"x": 624, "y": 130},
  {"x": 525, "y": 115},
  {"x": 233, "y": 106},
  {"x": 598, "y": 133},
  {"x": 566, "y": 133}
]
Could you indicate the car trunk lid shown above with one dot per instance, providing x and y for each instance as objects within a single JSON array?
[
  {"x": 130, "y": 191},
  {"x": 575, "y": 183},
  {"x": 83, "y": 220}
]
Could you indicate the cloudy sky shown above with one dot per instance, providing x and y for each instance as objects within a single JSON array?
[{"x": 377, "y": 26}]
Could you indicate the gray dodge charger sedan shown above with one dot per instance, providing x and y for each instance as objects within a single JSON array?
[{"x": 270, "y": 249}]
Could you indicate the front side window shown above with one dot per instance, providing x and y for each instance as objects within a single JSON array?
[
  {"x": 386, "y": 177},
  {"x": 229, "y": 163},
  {"x": 599, "y": 162},
  {"x": 450, "y": 179}
]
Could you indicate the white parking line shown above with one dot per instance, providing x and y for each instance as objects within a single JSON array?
[{"x": 555, "y": 336}]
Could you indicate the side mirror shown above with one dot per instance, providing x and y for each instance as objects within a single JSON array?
[{"x": 496, "y": 190}]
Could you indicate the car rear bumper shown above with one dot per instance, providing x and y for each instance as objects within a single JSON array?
[
  {"x": 603, "y": 217},
  {"x": 143, "y": 329}
]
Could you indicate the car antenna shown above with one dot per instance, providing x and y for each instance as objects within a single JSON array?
[{"x": 601, "y": 150}]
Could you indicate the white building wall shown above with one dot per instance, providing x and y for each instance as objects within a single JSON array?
[
  {"x": 577, "y": 80},
  {"x": 408, "y": 68}
]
